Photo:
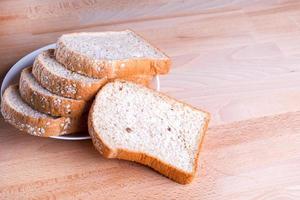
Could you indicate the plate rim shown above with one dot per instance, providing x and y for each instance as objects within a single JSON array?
[{"x": 19, "y": 65}]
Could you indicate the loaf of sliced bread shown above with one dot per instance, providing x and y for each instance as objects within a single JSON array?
[
  {"x": 110, "y": 54},
  {"x": 61, "y": 81},
  {"x": 46, "y": 102},
  {"x": 16, "y": 112},
  {"x": 131, "y": 122}
]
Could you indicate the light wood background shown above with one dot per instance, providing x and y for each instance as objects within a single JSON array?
[{"x": 238, "y": 59}]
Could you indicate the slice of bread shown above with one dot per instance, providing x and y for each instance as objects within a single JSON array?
[
  {"x": 57, "y": 79},
  {"x": 16, "y": 112},
  {"x": 131, "y": 122},
  {"x": 46, "y": 102},
  {"x": 61, "y": 81},
  {"x": 110, "y": 54}
]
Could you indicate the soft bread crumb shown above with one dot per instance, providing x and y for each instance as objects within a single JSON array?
[
  {"x": 110, "y": 45},
  {"x": 131, "y": 117}
]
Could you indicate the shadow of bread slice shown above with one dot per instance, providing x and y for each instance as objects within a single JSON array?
[
  {"x": 114, "y": 54},
  {"x": 132, "y": 122},
  {"x": 46, "y": 102},
  {"x": 22, "y": 116},
  {"x": 61, "y": 81}
]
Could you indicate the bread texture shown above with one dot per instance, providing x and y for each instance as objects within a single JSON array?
[
  {"x": 46, "y": 102},
  {"x": 57, "y": 79},
  {"x": 112, "y": 55},
  {"x": 61, "y": 81},
  {"x": 16, "y": 112},
  {"x": 131, "y": 122}
]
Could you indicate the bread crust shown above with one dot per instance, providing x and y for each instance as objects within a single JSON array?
[
  {"x": 110, "y": 69},
  {"x": 142, "y": 79},
  {"x": 50, "y": 104},
  {"x": 69, "y": 88},
  {"x": 72, "y": 88},
  {"x": 158, "y": 165},
  {"x": 43, "y": 127}
]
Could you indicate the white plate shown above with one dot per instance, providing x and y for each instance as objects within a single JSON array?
[{"x": 13, "y": 76}]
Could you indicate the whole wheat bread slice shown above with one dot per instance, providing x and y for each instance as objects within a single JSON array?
[
  {"x": 131, "y": 122},
  {"x": 46, "y": 102},
  {"x": 61, "y": 81},
  {"x": 16, "y": 112},
  {"x": 110, "y": 54}
]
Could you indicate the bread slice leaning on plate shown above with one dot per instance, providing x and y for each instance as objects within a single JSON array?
[
  {"x": 132, "y": 122},
  {"x": 56, "y": 78},
  {"x": 46, "y": 102},
  {"x": 16, "y": 112},
  {"x": 114, "y": 54},
  {"x": 59, "y": 80}
]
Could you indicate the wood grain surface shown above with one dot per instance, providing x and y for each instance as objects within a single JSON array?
[{"x": 238, "y": 59}]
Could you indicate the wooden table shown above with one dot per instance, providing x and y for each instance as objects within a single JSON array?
[{"x": 239, "y": 60}]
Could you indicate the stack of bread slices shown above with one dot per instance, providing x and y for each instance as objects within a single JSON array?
[
  {"x": 55, "y": 94},
  {"x": 126, "y": 119}
]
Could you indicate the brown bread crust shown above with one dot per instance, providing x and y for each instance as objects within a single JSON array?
[
  {"x": 75, "y": 89},
  {"x": 69, "y": 88},
  {"x": 140, "y": 79},
  {"x": 50, "y": 104},
  {"x": 43, "y": 127}
]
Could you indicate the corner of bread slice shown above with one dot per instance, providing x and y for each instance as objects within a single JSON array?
[
  {"x": 131, "y": 122},
  {"x": 163, "y": 64}
]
